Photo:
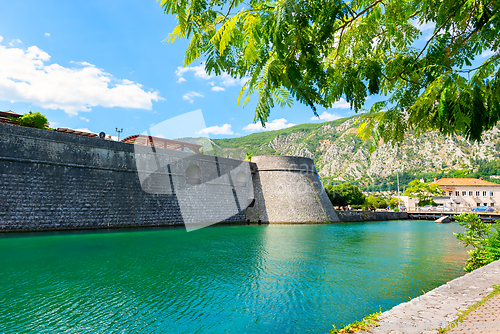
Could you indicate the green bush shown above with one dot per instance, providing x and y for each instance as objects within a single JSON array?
[
  {"x": 483, "y": 238},
  {"x": 396, "y": 209},
  {"x": 344, "y": 194},
  {"x": 33, "y": 120}
]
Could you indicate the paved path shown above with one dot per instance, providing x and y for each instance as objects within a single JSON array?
[
  {"x": 484, "y": 319},
  {"x": 439, "y": 307}
]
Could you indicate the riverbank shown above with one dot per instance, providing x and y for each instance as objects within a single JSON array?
[
  {"x": 363, "y": 216},
  {"x": 440, "y": 307}
]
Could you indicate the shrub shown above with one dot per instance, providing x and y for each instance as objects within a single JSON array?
[
  {"x": 483, "y": 238},
  {"x": 33, "y": 120}
]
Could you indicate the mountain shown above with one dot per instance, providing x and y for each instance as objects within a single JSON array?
[{"x": 340, "y": 155}]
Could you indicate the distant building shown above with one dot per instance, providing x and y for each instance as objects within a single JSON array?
[
  {"x": 495, "y": 177},
  {"x": 468, "y": 193},
  {"x": 4, "y": 117},
  {"x": 161, "y": 143},
  {"x": 76, "y": 132}
]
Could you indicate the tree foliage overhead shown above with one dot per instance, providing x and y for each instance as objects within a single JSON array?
[{"x": 318, "y": 51}]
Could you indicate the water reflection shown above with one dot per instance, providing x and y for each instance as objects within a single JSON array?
[{"x": 299, "y": 278}]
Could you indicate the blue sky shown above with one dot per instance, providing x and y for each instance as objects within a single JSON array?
[{"x": 99, "y": 65}]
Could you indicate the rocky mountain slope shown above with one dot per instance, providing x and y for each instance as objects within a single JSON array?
[{"x": 340, "y": 155}]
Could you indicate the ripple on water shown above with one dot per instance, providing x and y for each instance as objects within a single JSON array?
[{"x": 278, "y": 279}]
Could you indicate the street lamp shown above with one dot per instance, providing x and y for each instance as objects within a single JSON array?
[{"x": 119, "y": 131}]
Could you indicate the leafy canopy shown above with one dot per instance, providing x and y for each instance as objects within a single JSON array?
[
  {"x": 345, "y": 194},
  {"x": 33, "y": 120},
  {"x": 318, "y": 51},
  {"x": 423, "y": 191},
  {"x": 483, "y": 239}
]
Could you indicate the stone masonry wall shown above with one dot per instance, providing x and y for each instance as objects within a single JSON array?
[
  {"x": 288, "y": 190},
  {"x": 51, "y": 180},
  {"x": 360, "y": 216}
]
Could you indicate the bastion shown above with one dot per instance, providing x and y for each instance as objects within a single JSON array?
[{"x": 288, "y": 190}]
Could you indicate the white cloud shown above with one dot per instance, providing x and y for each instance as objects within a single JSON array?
[
  {"x": 85, "y": 119},
  {"x": 229, "y": 81},
  {"x": 218, "y": 89},
  {"x": 325, "y": 116},
  {"x": 25, "y": 77},
  {"x": 277, "y": 124},
  {"x": 341, "y": 104},
  {"x": 424, "y": 26},
  {"x": 189, "y": 96},
  {"x": 487, "y": 53},
  {"x": 1, "y": 39},
  {"x": 53, "y": 124},
  {"x": 15, "y": 41},
  {"x": 85, "y": 130},
  {"x": 47, "y": 34},
  {"x": 200, "y": 72},
  {"x": 217, "y": 130}
]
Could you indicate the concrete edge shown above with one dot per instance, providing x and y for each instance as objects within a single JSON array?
[{"x": 439, "y": 307}]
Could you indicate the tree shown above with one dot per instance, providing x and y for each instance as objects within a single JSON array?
[
  {"x": 345, "y": 194},
  {"x": 423, "y": 191},
  {"x": 375, "y": 202},
  {"x": 484, "y": 240},
  {"x": 393, "y": 202},
  {"x": 33, "y": 120},
  {"x": 317, "y": 52}
]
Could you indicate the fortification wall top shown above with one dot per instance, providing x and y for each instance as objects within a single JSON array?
[
  {"x": 288, "y": 163},
  {"x": 17, "y": 142}
]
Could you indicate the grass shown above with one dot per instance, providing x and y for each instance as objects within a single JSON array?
[
  {"x": 364, "y": 324},
  {"x": 463, "y": 314}
]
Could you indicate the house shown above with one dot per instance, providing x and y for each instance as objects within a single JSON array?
[
  {"x": 76, "y": 132},
  {"x": 162, "y": 143},
  {"x": 5, "y": 117},
  {"x": 468, "y": 193}
]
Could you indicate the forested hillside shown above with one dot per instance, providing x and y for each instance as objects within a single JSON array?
[{"x": 340, "y": 155}]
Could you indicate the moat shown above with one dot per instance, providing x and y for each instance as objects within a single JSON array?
[{"x": 226, "y": 279}]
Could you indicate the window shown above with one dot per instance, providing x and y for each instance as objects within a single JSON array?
[
  {"x": 477, "y": 193},
  {"x": 484, "y": 193},
  {"x": 457, "y": 193},
  {"x": 478, "y": 204},
  {"x": 491, "y": 193},
  {"x": 470, "y": 193},
  {"x": 485, "y": 204},
  {"x": 492, "y": 204},
  {"x": 450, "y": 193},
  {"x": 464, "y": 193}
]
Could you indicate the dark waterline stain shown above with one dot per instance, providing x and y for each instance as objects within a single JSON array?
[{"x": 225, "y": 279}]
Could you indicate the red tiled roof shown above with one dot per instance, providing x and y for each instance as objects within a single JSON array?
[
  {"x": 465, "y": 182},
  {"x": 9, "y": 113},
  {"x": 159, "y": 142},
  {"x": 76, "y": 132}
]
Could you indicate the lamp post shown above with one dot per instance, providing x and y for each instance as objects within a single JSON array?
[{"x": 119, "y": 131}]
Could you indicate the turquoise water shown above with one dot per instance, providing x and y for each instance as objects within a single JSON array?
[{"x": 239, "y": 279}]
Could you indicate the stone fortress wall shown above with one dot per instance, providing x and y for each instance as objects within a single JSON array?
[
  {"x": 51, "y": 180},
  {"x": 288, "y": 190}
]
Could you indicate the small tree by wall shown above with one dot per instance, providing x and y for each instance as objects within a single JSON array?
[
  {"x": 345, "y": 194},
  {"x": 33, "y": 120},
  {"x": 423, "y": 192}
]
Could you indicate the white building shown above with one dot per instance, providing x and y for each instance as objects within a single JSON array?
[{"x": 468, "y": 193}]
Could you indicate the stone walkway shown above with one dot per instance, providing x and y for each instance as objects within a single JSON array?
[
  {"x": 484, "y": 319},
  {"x": 439, "y": 307}
]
